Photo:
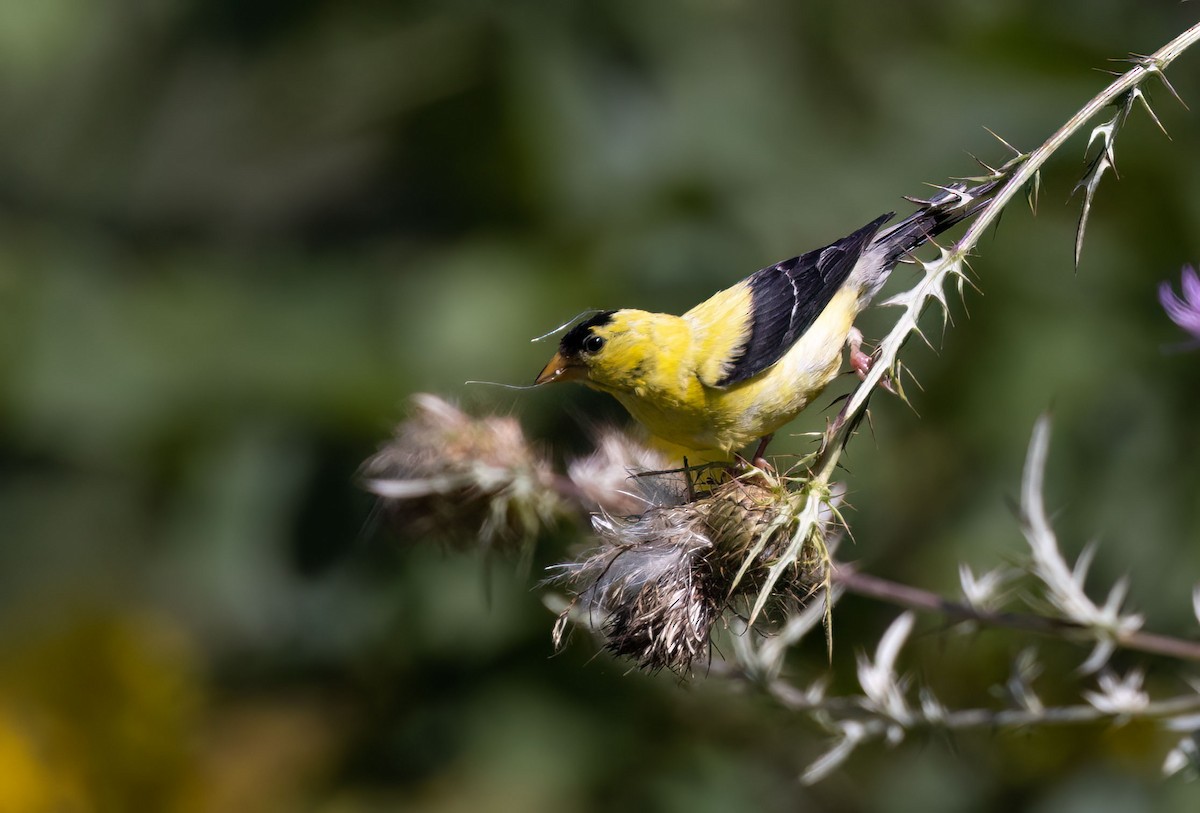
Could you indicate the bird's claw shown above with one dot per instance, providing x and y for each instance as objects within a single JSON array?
[
  {"x": 759, "y": 461},
  {"x": 862, "y": 362}
]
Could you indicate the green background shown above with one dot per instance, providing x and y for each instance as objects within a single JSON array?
[{"x": 234, "y": 237}]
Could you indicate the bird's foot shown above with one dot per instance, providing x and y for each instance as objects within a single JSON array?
[
  {"x": 758, "y": 461},
  {"x": 862, "y": 362}
]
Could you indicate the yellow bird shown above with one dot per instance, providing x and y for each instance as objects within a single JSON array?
[{"x": 746, "y": 361}]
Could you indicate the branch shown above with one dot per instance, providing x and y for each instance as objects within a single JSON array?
[
  {"x": 950, "y": 262},
  {"x": 914, "y": 598},
  {"x": 1018, "y": 173}
]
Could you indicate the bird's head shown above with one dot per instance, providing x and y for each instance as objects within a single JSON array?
[{"x": 609, "y": 351}]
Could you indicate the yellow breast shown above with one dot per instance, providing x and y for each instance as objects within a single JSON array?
[{"x": 675, "y": 406}]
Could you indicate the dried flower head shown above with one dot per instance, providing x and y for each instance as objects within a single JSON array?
[
  {"x": 605, "y": 479},
  {"x": 659, "y": 582},
  {"x": 462, "y": 479},
  {"x": 1183, "y": 310}
]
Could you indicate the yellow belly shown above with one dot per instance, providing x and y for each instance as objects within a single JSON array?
[{"x": 725, "y": 420}]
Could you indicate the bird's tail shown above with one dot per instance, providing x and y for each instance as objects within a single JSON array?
[{"x": 950, "y": 206}]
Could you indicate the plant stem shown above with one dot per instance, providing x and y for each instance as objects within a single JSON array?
[
  {"x": 1156, "y": 63},
  {"x": 935, "y": 277},
  {"x": 962, "y": 719},
  {"x": 903, "y": 595},
  {"x": 1023, "y": 169}
]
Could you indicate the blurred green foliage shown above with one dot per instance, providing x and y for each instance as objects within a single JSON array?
[{"x": 235, "y": 236}]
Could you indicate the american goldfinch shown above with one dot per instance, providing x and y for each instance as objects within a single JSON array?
[{"x": 744, "y": 362}]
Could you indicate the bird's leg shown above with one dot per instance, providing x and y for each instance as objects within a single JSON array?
[
  {"x": 758, "y": 461},
  {"x": 861, "y": 362}
]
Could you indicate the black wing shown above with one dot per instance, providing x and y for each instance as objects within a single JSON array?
[{"x": 786, "y": 298}]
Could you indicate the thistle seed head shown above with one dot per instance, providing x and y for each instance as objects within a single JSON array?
[
  {"x": 611, "y": 479},
  {"x": 659, "y": 582},
  {"x": 461, "y": 479}
]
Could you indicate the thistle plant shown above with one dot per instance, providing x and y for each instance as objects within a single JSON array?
[
  {"x": 677, "y": 557},
  {"x": 658, "y": 582},
  {"x": 892, "y": 706}
]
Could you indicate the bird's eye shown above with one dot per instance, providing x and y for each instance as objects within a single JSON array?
[{"x": 593, "y": 343}]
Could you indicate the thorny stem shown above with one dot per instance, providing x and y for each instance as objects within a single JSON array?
[
  {"x": 903, "y": 595},
  {"x": 792, "y": 698},
  {"x": 815, "y": 488},
  {"x": 1025, "y": 168},
  {"x": 889, "y": 348},
  {"x": 1155, "y": 64},
  {"x": 847, "y": 577}
]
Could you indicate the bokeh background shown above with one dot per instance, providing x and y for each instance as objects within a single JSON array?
[{"x": 234, "y": 237}]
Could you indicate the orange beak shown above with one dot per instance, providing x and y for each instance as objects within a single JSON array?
[{"x": 559, "y": 369}]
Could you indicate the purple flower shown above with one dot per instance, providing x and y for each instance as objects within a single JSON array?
[{"x": 1184, "y": 311}]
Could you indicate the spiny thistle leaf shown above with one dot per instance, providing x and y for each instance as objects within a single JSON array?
[
  {"x": 1033, "y": 189},
  {"x": 1105, "y": 159},
  {"x": 1017, "y": 154},
  {"x": 1138, "y": 95},
  {"x": 1154, "y": 67},
  {"x": 1063, "y": 585},
  {"x": 852, "y": 734}
]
